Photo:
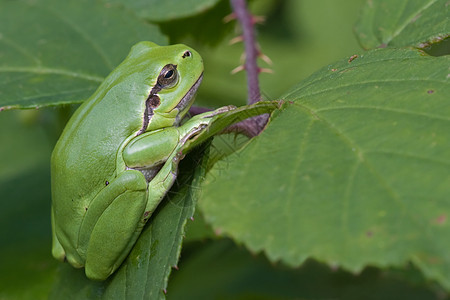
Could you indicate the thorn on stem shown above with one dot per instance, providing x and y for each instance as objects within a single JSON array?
[
  {"x": 229, "y": 18},
  {"x": 242, "y": 58},
  {"x": 237, "y": 69},
  {"x": 265, "y": 58},
  {"x": 235, "y": 40},
  {"x": 265, "y": 70},
  {"x": 258, "y": 19}
]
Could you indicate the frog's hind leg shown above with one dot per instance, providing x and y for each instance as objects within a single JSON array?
[{"x": 113, "y": 223}]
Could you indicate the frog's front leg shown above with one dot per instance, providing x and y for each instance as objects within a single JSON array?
[
  {"x": 155, "y": 147},
  {"x": 166, "y": 145},
  {"x": 112, "y": 224}
]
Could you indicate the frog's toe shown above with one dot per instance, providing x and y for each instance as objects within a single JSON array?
[
  {"x": 58, "y": 253},
  {"x": 74, "y": 260},
  {"x": 218, "y": 111}
]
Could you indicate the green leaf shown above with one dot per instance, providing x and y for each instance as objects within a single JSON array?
[
  {"x": 220, "y": 270},
  {"x": 198, "y": 230},
  {"x": 353, "y": 171},
  {"x": 145, "y": 272},
  {"x": 160, "y": 11},
  {"x": 403, "y": 23},
  {"x": 68, "y": 49}
]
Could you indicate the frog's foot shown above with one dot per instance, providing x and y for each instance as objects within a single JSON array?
[
  {"x": 218, "y": 111},
  {"x": 191, "y": 133}
]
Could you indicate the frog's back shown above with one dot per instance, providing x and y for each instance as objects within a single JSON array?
[{"x": 84, "y": 159}]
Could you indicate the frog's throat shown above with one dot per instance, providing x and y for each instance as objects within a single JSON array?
[
  {"x": 182, "y": 107},
  {"x": 185, "y": 102}
]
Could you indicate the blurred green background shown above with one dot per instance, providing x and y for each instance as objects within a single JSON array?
[{"x": 299, "y": 37}]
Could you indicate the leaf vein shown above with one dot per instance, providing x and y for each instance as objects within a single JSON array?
[
  {"x": 46, "y": 95},
  {"x": 410, "y": 155},
  {"x": 346, "y": 200},
  {"x": 408, "y": 20},
  {"x": 83, "y": 34},
  {"x": 348, "y": 67},
  {"x": 287, "y": 207},
  {"x": 370, "y": 82},
  {"x": 47, "y": 71},
  {"x": 19, "y": 48},
  {"x": 395, "y": 110}
]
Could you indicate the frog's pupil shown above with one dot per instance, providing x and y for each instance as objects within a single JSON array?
[{"x": 169, "y": 74}]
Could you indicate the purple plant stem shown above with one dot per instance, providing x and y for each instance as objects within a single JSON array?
[
  {"x": 196, "y": 110},
  {"x": 256, "y": 124},
  {"x": 252, "y": 126},
  {"x": 246, "y": 127},
  {"x": 251, "y": 52}
]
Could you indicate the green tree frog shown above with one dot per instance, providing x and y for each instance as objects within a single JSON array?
[{"x": 119, "y": 153}]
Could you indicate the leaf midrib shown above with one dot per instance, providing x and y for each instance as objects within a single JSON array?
[
  {"x": 327, "y": 76},
  {"x": 90, "y": 40},
  {"x": 388, "y": 109},
  {"x": 51, "y": 71},
  {"x": 359, "y": 83}
]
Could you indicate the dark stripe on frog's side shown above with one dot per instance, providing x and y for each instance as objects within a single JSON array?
[{"x": 151, "y": 103}]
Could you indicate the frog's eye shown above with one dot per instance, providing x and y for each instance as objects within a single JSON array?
[{"x": 168, "y": 76}]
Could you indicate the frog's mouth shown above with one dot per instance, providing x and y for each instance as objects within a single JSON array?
[{"x": 187, "y": 100}]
